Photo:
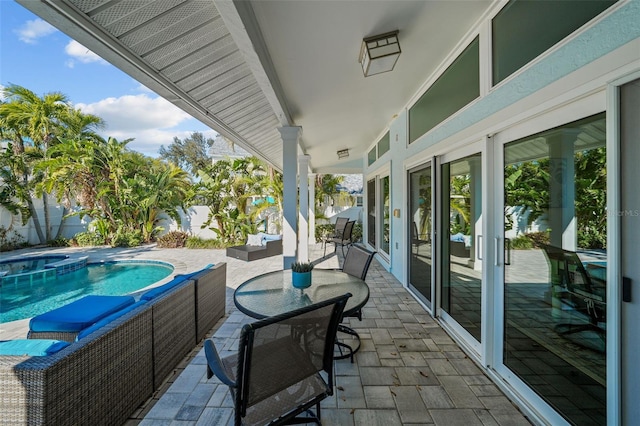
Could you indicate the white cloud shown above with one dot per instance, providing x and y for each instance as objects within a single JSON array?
[
  {"x": 81, "y": 54},
  {"x": 150, "y": 121},
  {"x": 137, "y": 112},
  {"x": 31, "y": 31}
]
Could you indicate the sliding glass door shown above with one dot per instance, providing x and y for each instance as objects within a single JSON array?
[
  {"x": 460, "y": 233},
  {"x": 371, "y": 212},
  {"x": 420, "y": 247},
  {"x": 555, "y": 267}
]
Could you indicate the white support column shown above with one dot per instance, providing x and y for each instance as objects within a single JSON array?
[
  {"x": 312, "y": 208},
  {"x": 303, "y": 216},
  {"x": 290, "y": 137},
  {"x": 562, "y": 193}
]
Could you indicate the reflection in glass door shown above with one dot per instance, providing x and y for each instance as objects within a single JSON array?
[
  {"x": 385, "y": 208},
  {"x": 420, "y": 227},
  {"x": 555, "y": 268},
  {"x": 461, "y": 198},
  {"x": 371, "y": 212}
]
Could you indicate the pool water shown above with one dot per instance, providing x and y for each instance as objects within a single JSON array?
[
  {"x": 28, "y": 264},
  {"x": 27, "y": 298}
]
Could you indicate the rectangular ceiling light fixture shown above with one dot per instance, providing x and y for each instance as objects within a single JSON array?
[
  {"x": 379, "y": 53},
  {"x": 343, "y": 153}
]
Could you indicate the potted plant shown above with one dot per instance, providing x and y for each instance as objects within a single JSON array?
[{"x": 301, "y": 274}]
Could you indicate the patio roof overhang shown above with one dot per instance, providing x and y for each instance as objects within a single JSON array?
[{"x": 246, "y": 68}]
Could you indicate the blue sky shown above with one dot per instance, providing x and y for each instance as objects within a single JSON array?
[{"x": 35, "y": 55}]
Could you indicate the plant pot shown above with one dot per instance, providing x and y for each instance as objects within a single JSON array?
[{"x": 301, "y": 279}]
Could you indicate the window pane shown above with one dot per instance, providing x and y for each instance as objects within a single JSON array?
[
  {"x": 524, "y": 29},
  {"x": 461, "y": 203},
  {"x": 385, "y": 214},
  {"x": 555, "y": 268},
  {"x": 383, "y": 145},
  {"x": 371, "y": 212},
  {"x": 420, "y": 223},
  {"x": 456, "y": 87},
  {"x": 372, "y": 156}
]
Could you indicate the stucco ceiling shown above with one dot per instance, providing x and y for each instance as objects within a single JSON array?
[{"x": 247, "y": 68}]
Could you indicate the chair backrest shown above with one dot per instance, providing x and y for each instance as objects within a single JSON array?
[
  {"x": 340, "y": 224},
  {"x": 357, "y": 261},
  {"x": 568, "y": 271},
  {"x": 566, "y": 268},
  {"x": 348, "y": 229},
  {"x": 284, "y": 350}
]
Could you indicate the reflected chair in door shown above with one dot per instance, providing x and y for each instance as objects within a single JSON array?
[
  {"x": 284, "y": 365},
  {"x": 575, "y": 288},
  {"x": 417, "y": 239}
]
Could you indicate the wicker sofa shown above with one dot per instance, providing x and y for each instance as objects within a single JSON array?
[{"x": 104, "y": 377}]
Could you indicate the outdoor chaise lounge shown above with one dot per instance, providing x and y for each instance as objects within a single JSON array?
[
  {"x": 111, "y": 369},
  {"x": 258, "y": 246}
]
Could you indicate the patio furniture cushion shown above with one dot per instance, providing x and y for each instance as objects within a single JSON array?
[
  {"x": 157, "y": 291},
  {"x": 254, "y": 240},
  {"x": 31, "y": 347},
  {"x": 79, "y": 314},
  {"x": 109, "y": 318},
  {"x": 268, "y": 237}
]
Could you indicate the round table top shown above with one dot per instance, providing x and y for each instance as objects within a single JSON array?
[{"x": 272, "y": 293}]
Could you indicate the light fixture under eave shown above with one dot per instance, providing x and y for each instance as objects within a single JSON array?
[
  {"x": 343, "y": 153},
  {"x": 379, "y": 53}
]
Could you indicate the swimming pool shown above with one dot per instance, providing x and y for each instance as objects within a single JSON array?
[
  {"x": 28, "y": 264},
  {"x": 25, "y": 297}
]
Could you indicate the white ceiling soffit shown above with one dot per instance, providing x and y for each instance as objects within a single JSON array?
[
  {"x": 183, "y": 50},
  {"x": 246, "y": 68}
]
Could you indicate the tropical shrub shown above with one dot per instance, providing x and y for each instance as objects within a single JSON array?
[
  {"x": 324, "y": 230},
  {"x": 521, "y": 242},
  {"x": 127, "y": 238},
  {"x": 59, "y": 242},
  {"x": 10, "y": 240},
  {"x": 88, "y": 239},
  {"x": 199, "y": 243},
  {"x": 173, "y": 239}
]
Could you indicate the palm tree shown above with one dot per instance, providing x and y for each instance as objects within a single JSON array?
[
  {"x": 79, "y": 125},
  {"x": 327, "y": 186},
  {"x": 40, "y": 119},
  {"x": 159, "y": 188}
]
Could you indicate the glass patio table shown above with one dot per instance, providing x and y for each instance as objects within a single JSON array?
[{"x": 273, "y": 293}]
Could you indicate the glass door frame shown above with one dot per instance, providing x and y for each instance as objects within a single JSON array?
[
  {"x": 377, "y": 176},
  {"x": 464, "y": 338},
  {"x": 430, "y": 304},
  {"x": 518, "y": 389}
]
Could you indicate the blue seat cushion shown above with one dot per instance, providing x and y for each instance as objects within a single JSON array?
[
  {"x": 31, "y": 347},
  {"x": 157, "y": 291},
  {"x": 106, "y": 320},
  {"x": 79, "y": 314}
]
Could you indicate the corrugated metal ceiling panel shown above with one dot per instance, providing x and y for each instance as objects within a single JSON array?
[{"x": 187, "y": 42}]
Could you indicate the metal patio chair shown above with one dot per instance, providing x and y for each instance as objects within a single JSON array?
[
  {"x": 345, "y": 238},
  {"x": 284, "y": 365}
]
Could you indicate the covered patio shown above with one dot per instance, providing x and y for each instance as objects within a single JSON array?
[{"x": 408, "y": 370}]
